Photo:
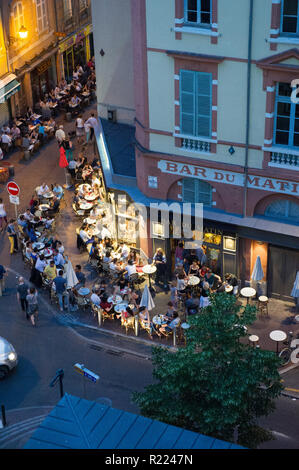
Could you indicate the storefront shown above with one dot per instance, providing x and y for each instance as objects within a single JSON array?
[
  {"x": 43, "y": 79},
  {"x": 76, "y": 50},
  {"x": 9, "y": 86}
]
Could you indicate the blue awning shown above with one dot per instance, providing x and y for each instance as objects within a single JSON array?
[
  {"x": 9, "y": 85},
  {"x": 76, "y": 423}
]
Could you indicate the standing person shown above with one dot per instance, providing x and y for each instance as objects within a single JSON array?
[
  {"x": 93, "y": 122},
  {"x": 3, "y": 215},
  {"x": 60, "y": 135},
  {"x": 80, "y": 129},
  {"x": 2, "y": 280},
  {"x": 68, "y": 147},
  {"x": 87, "y": 128},
  {"x": 22, "y": 292},
  {"x": 12, "y": 235},
  {"x": 160, "y": 262},
  {"x": 60, "y": 285},
  {"x": 32, "y": 305}
]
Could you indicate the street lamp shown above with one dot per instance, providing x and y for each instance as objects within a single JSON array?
[{"x": 23, "y": 33}]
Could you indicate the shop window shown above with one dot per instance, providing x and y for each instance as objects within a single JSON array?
[
  {"x": 198, "y": 13},
  {"x": 196, "y": 103},
  {"x": 283, "y": 209},
  {"x": 286, "y": 130},
  {"x": 42, "y": 15},
  {"x": 197, "y": 191},
  {"x": 18, "y": 17},
  {"x": 289, "y": 18}
]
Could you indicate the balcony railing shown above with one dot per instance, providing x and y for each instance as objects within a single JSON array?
[
  {"x": 196, "y": 145},
  {"x": 284, "y": 160}
]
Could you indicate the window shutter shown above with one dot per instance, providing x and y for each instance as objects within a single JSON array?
[
  {"x": 189, "y": 190},
  {"x": 204, "y": 104},
  {"x": 187, "y": 104}
]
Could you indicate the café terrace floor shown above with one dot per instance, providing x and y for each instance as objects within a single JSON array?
[{"x": 281, "y": 313}]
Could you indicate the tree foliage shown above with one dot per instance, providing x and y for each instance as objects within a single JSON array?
[{"x": 218, "y": 383}]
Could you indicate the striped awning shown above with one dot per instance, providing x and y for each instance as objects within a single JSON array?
[{"x": 9, "y": 85}]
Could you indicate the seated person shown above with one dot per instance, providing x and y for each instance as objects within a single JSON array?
[
  {"x": 181, "y": 284},
  {"x": 107, "y": 257},
  {"x": 210, "y": 278},
  {"x": 60, "y": 247},
  {"x": 59, "y": 260},
  {"x": 57, "y": 190},
  {"x": 170, "y": 311},
  {"x": 94, "y": 298},
  {"x": 80, "y": 276},
  {"x": 192, "y": 304},
  {"x": 87, "y": 172},
  {"x": 43, "y": 189},
  {"x": 28, "y": 250},
  {"x": 50, "y": 271},
  {"x": 48, "y": 222},
  {"x": 84, "y": 234},
  {"x": 22, "y": 221},
  {"x": 170, "y": 326},
  {"x": 31, "y": 232},
  {"x": 130, "y": 269},
  {"x": 114, "y": 266},
  {"x": 105, "y": 305},
  {"x": 124, "y": 250},
  {"x": 54, "y": 206}
]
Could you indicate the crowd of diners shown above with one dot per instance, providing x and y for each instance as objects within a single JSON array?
[{"x": 30, "y": 131}]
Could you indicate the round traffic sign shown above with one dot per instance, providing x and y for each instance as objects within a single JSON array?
[{"x": 13, "y": 189}]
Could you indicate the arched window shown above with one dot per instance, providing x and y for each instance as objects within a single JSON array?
[
  {"x": 283, "y": 209},
  {"x": 18, "y": 17},
  {"x": 197, "y": 191}
]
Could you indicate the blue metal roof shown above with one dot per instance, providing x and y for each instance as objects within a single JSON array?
[{"x": 76, "y": 423}]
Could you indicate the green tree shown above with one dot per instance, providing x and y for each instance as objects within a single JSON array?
[{"x": 218, "y": 383}]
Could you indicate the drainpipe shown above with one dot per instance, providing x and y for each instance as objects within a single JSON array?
[{"x": 248, "y": 107}]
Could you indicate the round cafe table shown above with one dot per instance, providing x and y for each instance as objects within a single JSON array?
[
  {"x": 48, "y": 252},
  {"x": 86, "y": 206},
  {"x": 158, "y": 320},
  {"x": 49, "y": 195},
  {"x": 83, "y": 291},
  {"x": 90, "y": 197},
  {"x": 229, "y": 289},
  {"x": 90, "y": 220},
  {"x": 119, "y": 308},
  {"x": 39, "y": 246},
  {"x": 86, "y": 185},
  {"x": 248, "y": 292},
  {"x": 115, "y": 299},
  {"x": 44, "y": 207},
  {"x": 277, "y": 335},
  {"x": 149, "y": 269},
  {"x": 193, "y": 281}
]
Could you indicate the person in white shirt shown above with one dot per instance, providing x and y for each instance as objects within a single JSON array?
[
  {"x": 15, "y": 132},
  {"x": 94, "y": 298},
  {"x": 60, "y": 248},
  {"x": 6, "y": 130},
  {"x": 125, "y": 250},
  {"x": 113, "y": 265},
  {"x": 40, "y": 264},
  {"x": 130, "y": 268},
  {"x": 5, "y": 139},
  {"x": 59, "y": 259},
  {"x": 95, "y": 181},
  {"x": 80, "y": 129},
  {"x": 94, "y": 124},
  {"x": 1, "y": 154},
  {"x": 105, "y": 233},
  {"x": 75, "y": 75},
  {"x": 44, "y": 189},
  {"x": 28, "y": 216},
  {"x": 57, "y": 91},
  {"x": 60, "y": 135}
]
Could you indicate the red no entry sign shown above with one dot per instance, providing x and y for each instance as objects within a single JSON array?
[{"x": 13, "y": 189}]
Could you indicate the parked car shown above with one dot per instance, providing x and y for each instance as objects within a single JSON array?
[{"x": 8, "y": 358}]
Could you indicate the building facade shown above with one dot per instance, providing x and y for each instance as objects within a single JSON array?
[
  {"x": 217, "y": 122},
  {"x": 75, "y": 33},
  {"x": 30, "y": 59}
]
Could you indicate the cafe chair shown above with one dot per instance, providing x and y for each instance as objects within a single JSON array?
[
  {"x": 83, "y": 302},
  {"x": 128, "y": 323},
  {"x": 168, "y": 334},
  {"x": 134, "y": 278},
  {"x": 104, "y": 315}
]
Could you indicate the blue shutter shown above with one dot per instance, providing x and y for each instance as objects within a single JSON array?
[
  {"x": 204, "y": 104},
  {"x": 197, "y": 191},
  {"x": 187, "y": 102}
]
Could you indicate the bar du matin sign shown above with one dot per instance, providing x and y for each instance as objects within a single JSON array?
[{"x": 228, "y": 177}]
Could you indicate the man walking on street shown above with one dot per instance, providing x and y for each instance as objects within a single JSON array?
[
  {"x": 94, "y": 125},
  {"x": 2, "y": 280},
  {"x": 60, "y": 135},
  {"x": 22, "y": 292}
]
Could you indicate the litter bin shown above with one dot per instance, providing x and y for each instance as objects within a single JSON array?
[{"x": 11, "y": 170}]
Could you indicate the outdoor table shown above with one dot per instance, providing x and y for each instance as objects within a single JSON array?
[
  {"x": 38, "y": 245},
  {"x": 35, "y": 116},
  {"x": 44, "y": 207},
  {"x": 248, "y": 292},
  {"x": 193, "y": 281},
  {"x": 83, "y": 291},
  {"x": 49, "y": 195},
  {"x": 119, "y": 308},
  {"x": 185, "y": 326},
  {"x": 277, "y": 335},
  {"x": 149, "y": 269},
  {"x": 48, "y": 252},
  {"x": 115, "y": 299},
  {"x": 158, "y": 320},
  {"x": 85, "y": 93},
  {"x": 229, "y": 289},
  {"x": 90, "y": 220},
  {"x": 87, "y": 186},
  {"x": 115, "y": 255},
  {"x": 297, "y": 318},
  {"x": 85, "y": 206},
  {"x": 253, "y": 338},
  {"x": 90, "y": 197}
]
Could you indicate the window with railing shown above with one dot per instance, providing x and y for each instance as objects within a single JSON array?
[{"x": 286, "y": 130}]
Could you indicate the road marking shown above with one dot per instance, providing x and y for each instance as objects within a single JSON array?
[
  {"x": 281, "y": 435},
  {"x": 292, "y": 390}
]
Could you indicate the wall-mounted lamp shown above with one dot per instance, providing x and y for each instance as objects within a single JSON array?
[{"x": 23, "y": 34}]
